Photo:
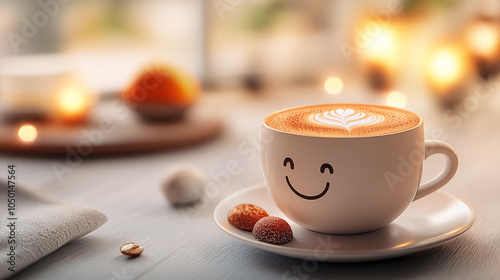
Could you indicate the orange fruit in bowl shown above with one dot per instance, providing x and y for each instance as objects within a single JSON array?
[{"x": 162, "y": 92}]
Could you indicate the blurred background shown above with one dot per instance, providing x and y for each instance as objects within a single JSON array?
[
  {"x": 259, "y": 44},
  {"x": 438, "y": 58}
]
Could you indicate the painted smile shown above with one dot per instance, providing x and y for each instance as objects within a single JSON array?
[{"x": 313, "y": 197}]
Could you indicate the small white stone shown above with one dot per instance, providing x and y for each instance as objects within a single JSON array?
[{"x": 184, "y": 184}]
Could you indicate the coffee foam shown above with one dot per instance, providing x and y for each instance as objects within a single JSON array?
[
  {"x": 342, "y": 120},
  {"x": 345, "y": 118}
]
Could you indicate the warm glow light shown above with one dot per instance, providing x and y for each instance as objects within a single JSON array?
[
  {"x": 483, "y": 39},
  {"x": 27, "y": 133},
  {"x": 396, "y": 99},
  {"x": 334, "y": 85},
  {"x": 73, "y": 102},
  {"x": 447, "y": 66},
  {"x": 381, "y": 45}
]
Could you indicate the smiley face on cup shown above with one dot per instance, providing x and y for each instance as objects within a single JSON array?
[
  {"x": 323, "y": 168},
  {"x": 347, "y": 168}
]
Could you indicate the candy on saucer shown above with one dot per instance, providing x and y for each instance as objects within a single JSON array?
[
  {"x": 273, "y": 230},
  {"x": 244, "y": 216}
]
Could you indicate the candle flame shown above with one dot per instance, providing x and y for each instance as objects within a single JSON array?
[{"x": 73, "y": 102}]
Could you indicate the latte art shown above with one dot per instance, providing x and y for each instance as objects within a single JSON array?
[
  {"x": 342, "y": 120},
  {"x": 345, "y": 118}
]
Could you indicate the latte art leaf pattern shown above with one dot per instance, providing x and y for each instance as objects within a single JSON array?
[{"x": 347, "y": 118}]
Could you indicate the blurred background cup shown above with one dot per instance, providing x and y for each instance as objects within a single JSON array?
[
  {"x": 41, "y": 87},
  {"x": 29, "y": 84}
]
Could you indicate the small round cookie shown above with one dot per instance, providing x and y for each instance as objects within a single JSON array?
[
  {"x": 272, "y": 230},
  {"x": 244, "y": 216}
]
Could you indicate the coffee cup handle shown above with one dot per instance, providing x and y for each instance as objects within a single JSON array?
[{"x": 433, "y": 147}]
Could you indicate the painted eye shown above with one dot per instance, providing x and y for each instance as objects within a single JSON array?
[
  {"x": 290, "y": 161},
  {"x": 326, "y": 166}
]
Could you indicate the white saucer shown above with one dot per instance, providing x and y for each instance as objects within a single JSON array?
[{"x": 426, "y": 223}]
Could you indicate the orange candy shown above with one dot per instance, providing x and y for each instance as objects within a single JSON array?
[
  {"x": 244, "y": 216},
  {"x": 272, "y": 230},
  {"x": 161, "y": 85}
]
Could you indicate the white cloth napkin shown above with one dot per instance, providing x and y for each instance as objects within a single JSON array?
[{"x": 42, "y": 225}]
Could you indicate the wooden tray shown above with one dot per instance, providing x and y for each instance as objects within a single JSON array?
[{"x": 112, "y": 128}]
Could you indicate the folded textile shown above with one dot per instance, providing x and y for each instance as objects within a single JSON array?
[{"x": 34, "y": 225}]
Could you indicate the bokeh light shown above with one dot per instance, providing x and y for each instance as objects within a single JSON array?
[
  {"x": 334, "y": 85},
  {"x": 27, "y": 133},
  {"x": 382, "y": 47},
  {"x": 446, "y": 67},
  {"x": 396, "y": 99},
  {"x": 382, "y": 44},
  {"x": 483, "y": 38},
  {"x": 73, "y": 102}
]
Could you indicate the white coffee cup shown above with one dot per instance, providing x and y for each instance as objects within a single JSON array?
[
  {"x": 29, "y": 84},
  {"x": 347, "y": 185}
]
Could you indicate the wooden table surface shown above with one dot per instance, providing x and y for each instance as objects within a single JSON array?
[{"x": 185, "y": 243}]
